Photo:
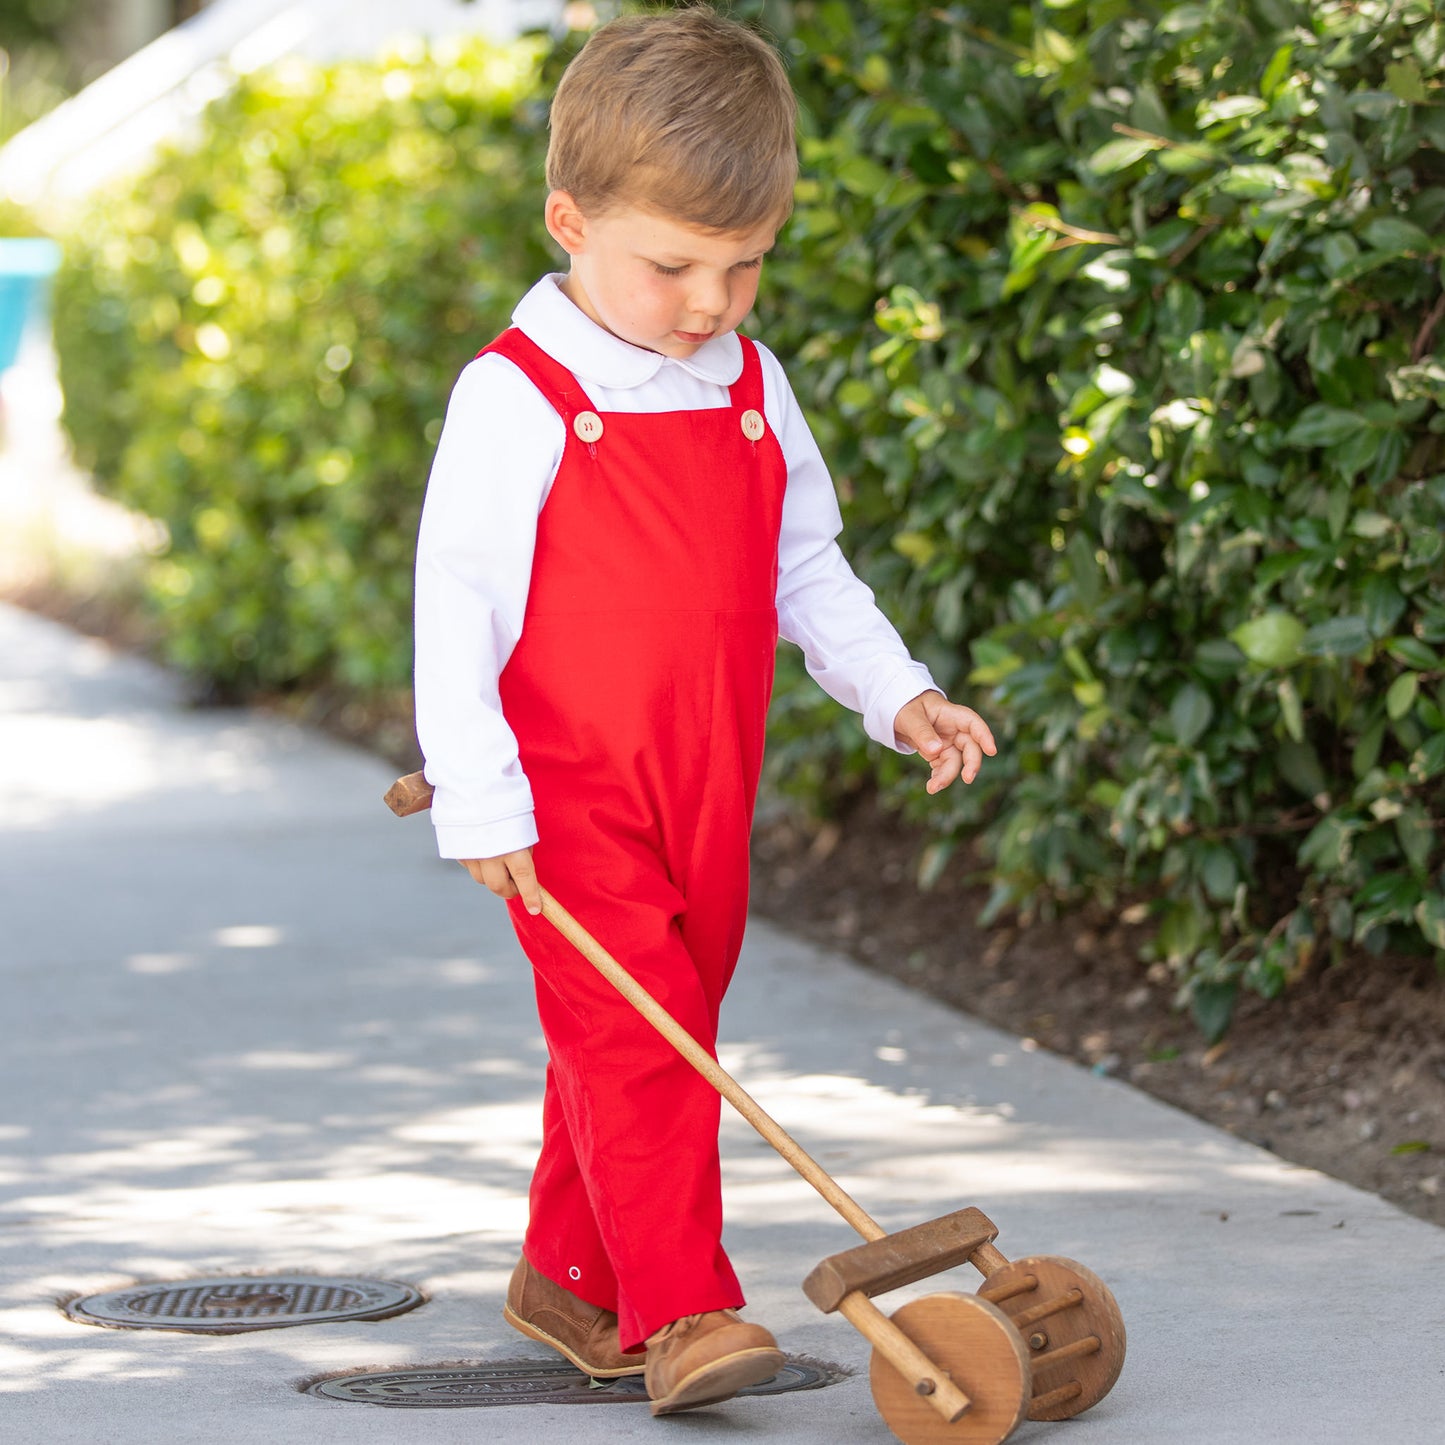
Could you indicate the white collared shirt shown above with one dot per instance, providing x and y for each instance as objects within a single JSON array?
[{"x": 498, "y": 455}]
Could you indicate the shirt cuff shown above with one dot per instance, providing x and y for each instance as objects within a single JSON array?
[
  {"x": 901, "y": 688},
  {"x": 486, "y": 840}
]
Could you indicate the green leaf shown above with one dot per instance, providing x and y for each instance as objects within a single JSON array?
[
  {"x": 1384, "y": 603},
  {"x": 1030, "y": 250},
  {"x": 918, "y": 547},
  {"x": 1212, "y": 1007},
  {"x": 1370, "y": 524},
  {"x": 1254, "y": 182},
  {"x": 1190, "y": 714},
  {"x": 1402, "y": 694},
  {"x": 1430, "y": 915},
  {"x": 1339, "y": 637},
  {"x": 1327, "y": 846},
  {"x": 1217, "y": 659},
  {"x": 1291, "y": 709},
  {"x": 1339, "y": 250},
  {"x": 1325, "y": 426},
  {"x": 1417, "y": 837},
  {"x": 1299, "y": 766},
  {"x": 1386, "y": 898},
  {"x": 1272, "y": 640},
  {"x": 1412, "y": 1146},
  {"x": 1367, "y": 751},
  {"x": 1229, "y": 107},
  {"x": 1429, "y": 762},
  {"x": 1413, "y": 653},
  {"x": 1276, "y": 71},
  {"x": 1118, "y": 155},
  {"x": 1084, "y": 570},
  {"x": 1219, "y": 873},
  {"x": 1397, "y": 237},
  {"x": 1404, "y": 79},
  {"x": 861, "y": 176}
]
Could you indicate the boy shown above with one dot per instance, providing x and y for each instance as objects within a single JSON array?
[{"x": 625, "y": 509}]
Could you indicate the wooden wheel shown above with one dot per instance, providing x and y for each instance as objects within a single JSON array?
[
  {"x": 973, "y": 1342},
  {"x": 1071, "y": 1325}
]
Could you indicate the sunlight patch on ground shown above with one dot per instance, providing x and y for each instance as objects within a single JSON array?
[
  {"x": 248, "y": 935},
  {"x": 364, "y": 1211},
  {"x": 52, "y": 765},
  {"x": 161, "y": 962},
  {"x": 312, "y": 1060}
]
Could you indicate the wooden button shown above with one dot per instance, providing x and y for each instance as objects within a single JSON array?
[
  {"x": 588, "y": 426},
  {"x": 753, "y": 426}
]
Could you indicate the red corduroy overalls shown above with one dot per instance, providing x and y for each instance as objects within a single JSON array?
[{"x": 638, "y": 692}]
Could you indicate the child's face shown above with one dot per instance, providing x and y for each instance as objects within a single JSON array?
[{"x": 661, "y": 284}]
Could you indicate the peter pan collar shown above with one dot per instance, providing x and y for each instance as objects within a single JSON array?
[{"x": 592, "y": 353}]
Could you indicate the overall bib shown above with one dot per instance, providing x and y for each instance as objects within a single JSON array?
[{"x": 638, "y": 693}]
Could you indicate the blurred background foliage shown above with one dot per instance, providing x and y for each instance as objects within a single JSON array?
[
  {"x": 40, "y": 64},
  {"x": 257, "y": 341},
  {"x": 1119, "y": 323}
]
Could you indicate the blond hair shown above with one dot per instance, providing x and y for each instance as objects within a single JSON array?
[{"x": 685, "y": 113}]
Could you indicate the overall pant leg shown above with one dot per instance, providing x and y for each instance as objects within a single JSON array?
[{"x": 641, "y": 1123}]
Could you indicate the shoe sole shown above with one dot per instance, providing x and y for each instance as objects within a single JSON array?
[
  {"x": 721, "y": 1380},
  {"x": 542, "y": 1337}
]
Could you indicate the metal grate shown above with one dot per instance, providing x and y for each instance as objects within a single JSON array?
[
  {"x": 529, "y": 1382},
  {"x": 238, "y": 1303}
]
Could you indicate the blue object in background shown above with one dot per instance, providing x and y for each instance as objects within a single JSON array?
[{"x": 26, "y": 264}]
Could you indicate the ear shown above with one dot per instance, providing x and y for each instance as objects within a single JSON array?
[{"x": 565, "y": 222}]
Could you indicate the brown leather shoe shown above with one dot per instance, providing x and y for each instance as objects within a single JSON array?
[
  {"x": 584, "y": 1333},
  {"x": 701, "y": 1359}
]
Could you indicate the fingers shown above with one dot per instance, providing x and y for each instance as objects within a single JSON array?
[
  {"x": 968, "y": 726},
  {"x": 509, "y": 876},
  {"x": 524, "y": 877},
  {"x": 945, "y": 770},
  {"x": 981, "y": 734},
  {"x": 928, "y": 742},
  {"x": 490, "y": 873},
  {"x": 962, "y": 760},
  {"x": 972, "y": 759}
]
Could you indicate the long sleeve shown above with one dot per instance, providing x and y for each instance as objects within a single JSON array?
[
  {"x": 849, "y": 647},
  {"x": 499, "y": 451}
]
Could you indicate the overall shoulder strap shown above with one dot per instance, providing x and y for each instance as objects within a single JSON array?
[
  {"x": 549, "y": 376},
  {"x": 747, "y": 391}
]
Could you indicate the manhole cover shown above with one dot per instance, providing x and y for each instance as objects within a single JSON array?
[
  {"x": 528, "y": 1382},
  {"x": 228, "y": 1306}
]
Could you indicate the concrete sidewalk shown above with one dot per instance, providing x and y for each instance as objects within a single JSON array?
[{"x": 252, "y": 1024}]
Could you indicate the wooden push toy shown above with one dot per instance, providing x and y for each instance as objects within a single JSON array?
[{"x": 1042, "y": 1338}]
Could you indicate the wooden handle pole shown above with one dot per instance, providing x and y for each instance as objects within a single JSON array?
[
  {"x": 927, "y": 1380},
  {"x": 708, "y": 1067},
  {"x": 987, "y": 1260}
]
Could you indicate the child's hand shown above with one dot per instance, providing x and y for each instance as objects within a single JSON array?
[
  {"x": 951, "y": 739},
  {"x": 508, "y": 876}
]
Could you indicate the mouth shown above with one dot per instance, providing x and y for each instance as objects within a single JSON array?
[{"x": 693, "y": 338}]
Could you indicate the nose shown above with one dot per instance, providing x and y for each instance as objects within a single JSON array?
[{"x": 709, "y": 296}]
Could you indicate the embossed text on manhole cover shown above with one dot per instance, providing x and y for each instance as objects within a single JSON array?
[
  {"x": 240, "y": 1302},
  {"x": 528, "y": 1382}
]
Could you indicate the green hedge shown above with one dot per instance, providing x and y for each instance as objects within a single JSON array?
[
  {"x": 1119, "y": 323},
  {"x": 257, "y": 343}
]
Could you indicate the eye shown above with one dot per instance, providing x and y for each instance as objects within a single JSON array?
[
  {"x": 752, "y": 265},
  {"x": 668, "y": 270}
]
